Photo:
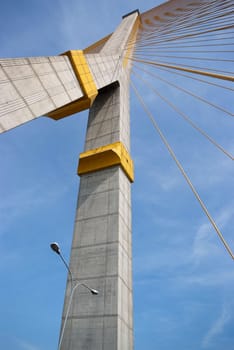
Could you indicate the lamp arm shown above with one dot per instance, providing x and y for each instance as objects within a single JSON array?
[{"x": 68, "y": 268}]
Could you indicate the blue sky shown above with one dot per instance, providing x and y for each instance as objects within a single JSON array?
[{"x": 183, "y": 277}]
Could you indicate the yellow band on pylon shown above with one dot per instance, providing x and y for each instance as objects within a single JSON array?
[
  {"x": 85, "y": 78},
  {"x": 83, "y": 73},
  {"x": 105, "y": 157}
]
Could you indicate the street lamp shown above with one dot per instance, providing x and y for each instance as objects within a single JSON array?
[{"x": 55, "y": 247}]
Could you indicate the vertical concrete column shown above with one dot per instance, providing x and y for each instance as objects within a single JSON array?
[
  {"x": 101, "y": 254},
  {"x": 101, "y": 248}
]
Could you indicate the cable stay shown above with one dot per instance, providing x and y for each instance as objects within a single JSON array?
[
  {"x": 149, "y": 50},
  {"x": 168, "y": 47},
  {"x": 192, "y": 30},
  {"x": 192, "y": 41},
  {"x": 183, "y": 115},
  {"x": 148, "y": 55},
  {"x": 191, "y": 94},
  {"x": 208, "y": 32},
  {"x": 186, "y": 69},
  {"x": 189, "y": 19},
  {"x": 190, "y": 68},
  {"x": 180, "y": 167},
  {"x": 143, "y": 51},
  {"x": 161, "y": 44},
  {"x": 192, "y": 78}
]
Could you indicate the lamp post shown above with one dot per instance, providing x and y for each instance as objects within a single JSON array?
[{"x": 55, "y": 247}]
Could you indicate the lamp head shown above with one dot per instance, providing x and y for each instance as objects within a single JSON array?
[
  {"x": 94, "y": 291},
  {"x": 55, "y": 247}
]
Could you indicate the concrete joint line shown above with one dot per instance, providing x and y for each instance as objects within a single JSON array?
[
  {"x": 103, "y": 244},
  {"x": 104, "y": 277},
  {"x": 99, "y": 316}
]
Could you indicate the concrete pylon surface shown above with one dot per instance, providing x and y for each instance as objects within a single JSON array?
[
  {"x": 31, "y": 87},
  {"x": 56, "y": 86},
  {"x": 43, "y": 86},
  {"x": 101, "y": 254}
]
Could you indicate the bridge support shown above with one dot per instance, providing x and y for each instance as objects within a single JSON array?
[
  {"x": 101, "y": 248},
  {"x": 101, "y": 254}
]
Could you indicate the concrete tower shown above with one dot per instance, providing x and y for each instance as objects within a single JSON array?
[{"x": 101, "y": 248}]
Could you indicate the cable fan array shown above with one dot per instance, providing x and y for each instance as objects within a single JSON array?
[
  {"x": 195, "y": 40},
  {"x": 184, "y": 51}
]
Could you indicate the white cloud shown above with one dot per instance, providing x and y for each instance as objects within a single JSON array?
[
  {"x": 216, "y": 328},
  {"x": 211, "y": 278},
  {"x": 162, "y": 253},
  {"x": 23, "y": 345},
  {"x": 205, "y": 242}
]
